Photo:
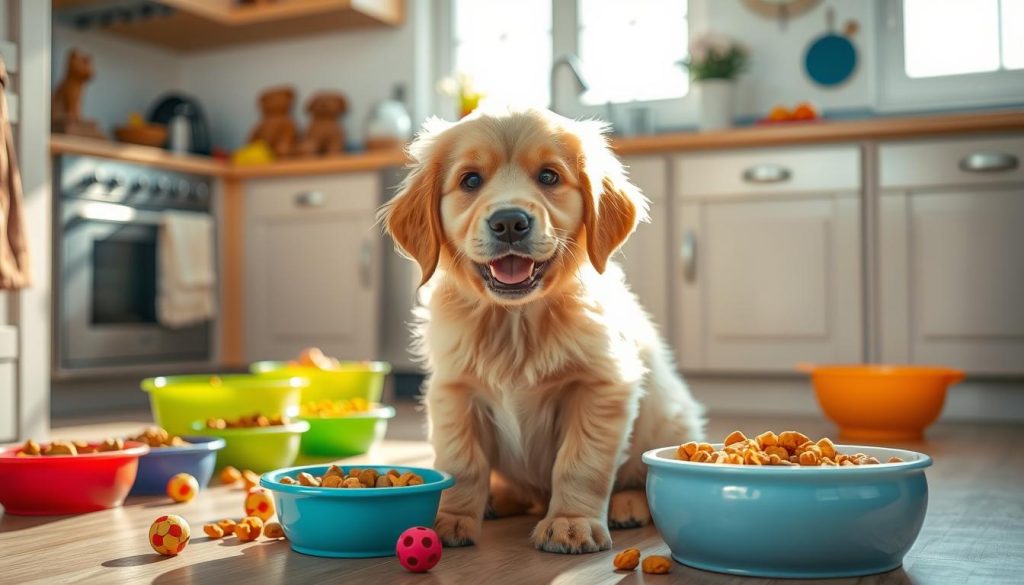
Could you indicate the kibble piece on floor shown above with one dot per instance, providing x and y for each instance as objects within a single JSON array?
[
  {"x": 627, "y": 560},
  {"x": 213, "y": 531},
  {"x": 227, "y": 525},
  {"x": 656, "y": 565},
  {"x": 273, "y": 530},
  {"x": 250, "y": 479},
  {"x": 230, "y": 475}
]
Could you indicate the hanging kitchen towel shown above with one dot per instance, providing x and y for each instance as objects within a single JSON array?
[
  {"x": 187, "y": 279},
  {"x": 14, "y": 260}
]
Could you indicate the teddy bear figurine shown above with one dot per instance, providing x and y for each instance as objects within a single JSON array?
[
  {"x": 324, "y": 135},
  {"x": 276, "y": 129}
]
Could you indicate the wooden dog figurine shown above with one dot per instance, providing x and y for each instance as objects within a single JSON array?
[
  {"x": 66, "y": 108},
  {"x": 277, "y": 128},
  {"x": 324, "y": 135}
]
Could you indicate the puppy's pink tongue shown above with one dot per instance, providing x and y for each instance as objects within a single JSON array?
[{"x": 511, "y": 269}]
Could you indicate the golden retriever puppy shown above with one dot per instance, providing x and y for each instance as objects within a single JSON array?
[{"x": 545, "y": 371}]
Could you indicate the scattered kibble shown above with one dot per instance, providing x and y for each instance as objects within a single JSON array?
[
  {"x": 31, "y": 448},
  {"x": 785, "y": 449},
  {"x": 230, "y": 475},
  {"x": 249, "y": 529},
  {"x": 273, "y": 530},
  {"x": 213, "y": 531},
  {"x": 627, "y": 560},
  {"x": 245, "y": 422},
  {"x": 250, "y": 479},
  {"x": 227, "y": 525},
  {"x": 159, "y": 437},
  {"x": 656, "y": 565},
  {"x": 334, "y": 408}
]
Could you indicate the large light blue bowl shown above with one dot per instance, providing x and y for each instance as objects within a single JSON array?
[
  {"x": 789, "y": 522},
  {"x": 353, "y": 523}
]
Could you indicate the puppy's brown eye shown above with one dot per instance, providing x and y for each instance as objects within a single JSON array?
[
  {"x": 471, "y": 181},
  {"x": 548, "y": 177}
]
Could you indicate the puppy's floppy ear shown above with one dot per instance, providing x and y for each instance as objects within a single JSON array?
[
  {"x": 612, "y": 206},
  {"x": 413, "y": 216}
]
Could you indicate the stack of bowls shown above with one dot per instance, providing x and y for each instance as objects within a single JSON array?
[
  {"x": 338, "y": 436},
  {"x": 183, "y": 404}
]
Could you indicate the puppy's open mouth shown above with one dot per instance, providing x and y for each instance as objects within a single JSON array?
[{"x": 512, "y": 275}]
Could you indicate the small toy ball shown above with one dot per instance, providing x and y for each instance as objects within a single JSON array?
[
  {"x": 418, "y": 549},
  {"x": 182, "y": 487},
  {"x": 168, "y": 535},
  {"x": 259, "y": 503}
]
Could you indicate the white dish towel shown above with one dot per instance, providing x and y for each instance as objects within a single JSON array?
[{"x": 187, "y": 277}]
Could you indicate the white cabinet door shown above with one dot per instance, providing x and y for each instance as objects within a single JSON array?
[
  {"x": 312, "y": 251},
  {"x": 951, "y": 262},
  {"x": 770, "y": 270},
  {"x": 644, "y": 257}
]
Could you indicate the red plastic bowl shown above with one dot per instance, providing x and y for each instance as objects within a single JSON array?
[{"x": 67, "y": 484}]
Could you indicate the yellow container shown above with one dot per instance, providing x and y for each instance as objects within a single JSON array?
[{"x": 352, "y": 380}]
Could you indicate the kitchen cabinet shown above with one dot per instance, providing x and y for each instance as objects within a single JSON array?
[
  {"x": 312, "y": 251},
  {"x": 768, "y": 259},
  {"x": 644, "y": 257},
  {"x": 951, "y": 238}
]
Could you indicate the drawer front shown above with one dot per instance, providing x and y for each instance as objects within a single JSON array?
[
  {"x": 328, "y": 193},
  {"x": 825, "y": 169},
  {"x": 971, "y": 161}
]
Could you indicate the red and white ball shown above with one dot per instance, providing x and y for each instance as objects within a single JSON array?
[
  {"x": 418, "y": 549},
  {"x": 168, "y": 535},
  {"x": 182, "y": 487},
  {"x": 259, "y": 503}
]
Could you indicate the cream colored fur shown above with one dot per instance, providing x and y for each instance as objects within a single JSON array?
[{"x": 555, "y": 395}]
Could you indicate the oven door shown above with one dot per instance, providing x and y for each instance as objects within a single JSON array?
[{"x": 108, "y": 292}]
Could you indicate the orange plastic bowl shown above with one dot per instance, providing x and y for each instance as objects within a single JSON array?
[{"x": 882, "y": 403}]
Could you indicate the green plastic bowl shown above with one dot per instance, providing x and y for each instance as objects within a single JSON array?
[
  {"x": 259, "y": 449},
  {"x": 354, "y": 380},
  {"x": 345, "y": 436},
  {"x": 178, "y": 401}
]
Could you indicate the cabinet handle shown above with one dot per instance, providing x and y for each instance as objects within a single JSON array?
[
  {"x": 988, "y": 162},
  {"x": 365, "y": 258},
  {"x": 309, "y": 199},
  {"x": 689, "y": 253},
  {"x": 762, "y": 174}
]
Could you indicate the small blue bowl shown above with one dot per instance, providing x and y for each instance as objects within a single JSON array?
[
  {"x": 353, "y": 523},
  {"x": 789, "y": 522},
  {"x": 162, "y": 463}
]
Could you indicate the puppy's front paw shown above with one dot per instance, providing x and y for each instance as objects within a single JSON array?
[
  {"x": 571, "y": 535},
  {"x": 457, "y": 529},
  {"x": 628, "y": 509}
]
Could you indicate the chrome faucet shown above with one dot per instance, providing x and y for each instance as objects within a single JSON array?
[{"x": 575, "y": 66}]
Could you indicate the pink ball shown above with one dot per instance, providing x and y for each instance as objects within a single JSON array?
[{"x": 418, "y": 549}]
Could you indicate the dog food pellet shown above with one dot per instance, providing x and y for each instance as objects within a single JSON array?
[
  {"x": 213, "y": 531},
  {"x": 169, "y": 534},
  {"x": 249, "y": 529},
  {"x": 227, "y": 525},
  {"x": 627, "y": 560},
  {"x": 230, "y": 475},
  {"x": 243, "y": 422},
  {"x": 656, "y": 565},
  {"x": 249, "y": 479},
  {"x": 182, "y": 487},
  {"x": 335, "y": 408},
  {"x": 259, "y": 503},
  {"x": 158, "y": 437},
  {"x": 357, "y": 478},
  {"x": 273, "y": 530},
  {"x": 788, "y": 448}
]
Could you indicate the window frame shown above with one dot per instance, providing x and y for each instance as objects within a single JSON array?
[
  {"x": 666, "y": 114},
  {"x": 896, "y": 91}
]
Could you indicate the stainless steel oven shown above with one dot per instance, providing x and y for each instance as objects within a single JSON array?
[{"x": 106, "y": 275}]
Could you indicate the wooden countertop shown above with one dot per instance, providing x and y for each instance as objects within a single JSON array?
[
  {"x": 887, "y": 128},
  {"x": 972, "y": 532}
]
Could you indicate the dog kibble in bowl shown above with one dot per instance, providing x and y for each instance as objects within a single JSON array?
[
  {"x": 356, "y": 478},
  {"x": 788, "y": 448}
]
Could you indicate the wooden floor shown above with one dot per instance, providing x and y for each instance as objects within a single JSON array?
[{"x": 973, "y": 534}]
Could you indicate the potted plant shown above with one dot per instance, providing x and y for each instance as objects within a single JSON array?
[{"x": 714, "y": 62}]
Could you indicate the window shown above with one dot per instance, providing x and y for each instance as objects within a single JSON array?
[
  {"x": 953, "y": 37},
  {"x": 629, "y": 50}
]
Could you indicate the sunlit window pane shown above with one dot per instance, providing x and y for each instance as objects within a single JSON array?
[
  {"x": 949, "y": 37},
  {"x": 630, "y": 49},
  {"x": 505, "y": 46},
  {"x": 1013, "y": 34}
]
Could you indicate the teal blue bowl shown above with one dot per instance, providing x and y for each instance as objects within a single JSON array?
[
  {"x": 353, "y": 523},
  {"x": 789, "y": 522}
]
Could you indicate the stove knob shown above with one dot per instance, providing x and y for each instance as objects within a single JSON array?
[
  {"x": 115, "y": 182},
  {"x": 181, "y": 189},
  {"x": 90, "y": 179},
  {"x": 141, "y": 183},
  {"x": 162, "y": 188}
]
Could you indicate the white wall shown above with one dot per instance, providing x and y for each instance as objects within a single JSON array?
[{"x": 127, "y": 76}]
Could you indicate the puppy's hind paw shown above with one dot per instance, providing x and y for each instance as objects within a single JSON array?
[
  {"x": 628, "y": 509},
  {"x": 571, "y": 535},
  {"x": 457, "y": 529}
]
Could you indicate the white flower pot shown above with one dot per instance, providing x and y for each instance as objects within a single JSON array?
[{"x": 717, "y": 102}]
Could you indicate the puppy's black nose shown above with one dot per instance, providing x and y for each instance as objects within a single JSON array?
[{"x": 510, "y": 225}]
